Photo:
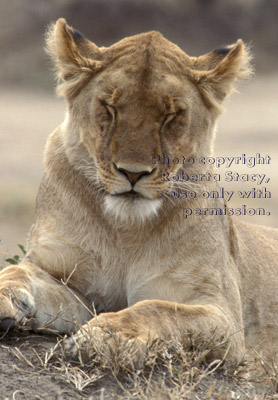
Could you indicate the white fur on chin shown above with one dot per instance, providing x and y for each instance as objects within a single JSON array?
[{"x": 131, "y": 210}]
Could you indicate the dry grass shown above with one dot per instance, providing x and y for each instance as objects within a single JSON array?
[
  {"x": 107, "y": 366},
  {"x": 169, "y": 370}
]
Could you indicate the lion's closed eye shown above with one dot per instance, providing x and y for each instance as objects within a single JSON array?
[{"x": 168, "y": 118}]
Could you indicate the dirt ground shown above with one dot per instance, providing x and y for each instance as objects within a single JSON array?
[
  {"x": 22, "y": 379},
  {"x": 26, "y": 373},
  {"x": 249, "y": 126},
  {"x": 31, "y": 368}
]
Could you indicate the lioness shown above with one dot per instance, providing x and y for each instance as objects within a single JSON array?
[{"x": 110, "y": 237}]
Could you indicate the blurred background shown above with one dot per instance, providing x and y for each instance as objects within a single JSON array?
[{"x": 29, "y": 109}]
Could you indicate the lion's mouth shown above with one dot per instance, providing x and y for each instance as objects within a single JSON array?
[{"x": 131, "y": 195}]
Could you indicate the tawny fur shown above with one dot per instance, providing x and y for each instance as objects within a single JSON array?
[{"x": 135, "y": 258}]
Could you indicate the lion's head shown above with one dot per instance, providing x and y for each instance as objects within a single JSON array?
[{"x": 141, "y": 98}]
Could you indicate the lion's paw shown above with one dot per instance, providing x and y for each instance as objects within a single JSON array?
[
  {"x": 106, "y": 345},
  {"x": 15, "y": 304}
]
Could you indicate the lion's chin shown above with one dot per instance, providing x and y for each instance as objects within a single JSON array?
[{"x": 130, "y": 209}]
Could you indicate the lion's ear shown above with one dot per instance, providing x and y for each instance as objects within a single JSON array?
[
  {"x": 76, "y": 58},
  {"x": 215, "y": 73}
]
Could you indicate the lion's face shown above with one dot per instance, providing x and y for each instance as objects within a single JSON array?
[
  {"x": 128, "y": 125},
  {"x": 131, "y": 105}
]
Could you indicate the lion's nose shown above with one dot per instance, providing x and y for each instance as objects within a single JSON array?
[{"x": 134, "y": 176}]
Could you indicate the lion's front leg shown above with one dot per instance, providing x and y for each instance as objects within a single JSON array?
[
  {"x": 151, "y": 319},
  {"x": 28, "y": 291}
]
